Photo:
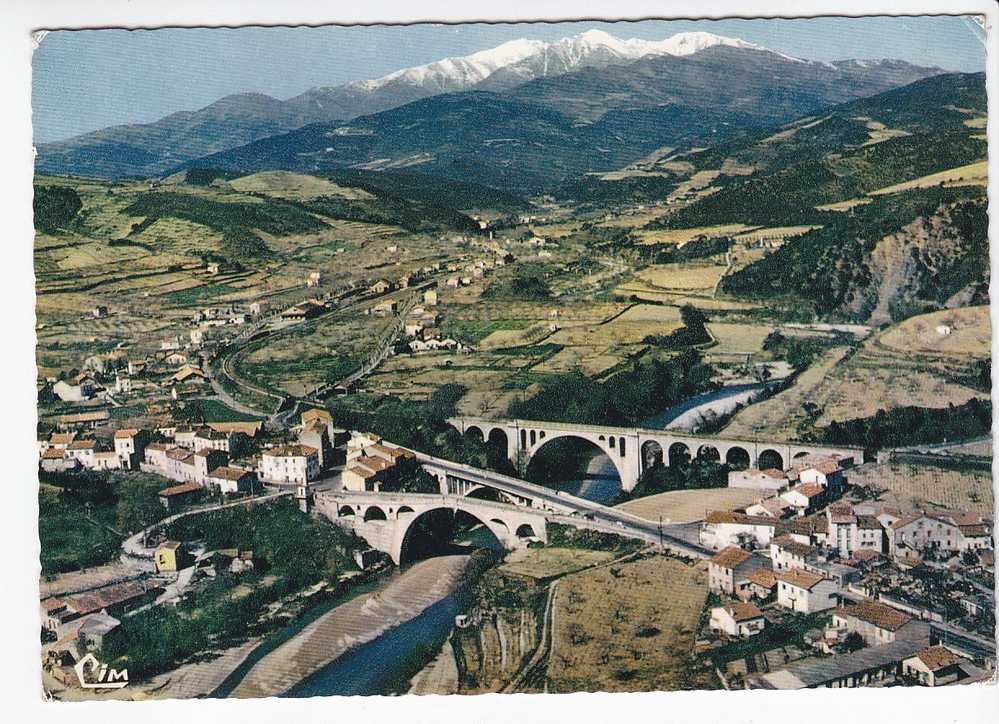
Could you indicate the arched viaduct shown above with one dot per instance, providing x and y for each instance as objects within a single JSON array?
[
  {"x": 385, "y": 519},
  {"x": 633, "y": 450}
]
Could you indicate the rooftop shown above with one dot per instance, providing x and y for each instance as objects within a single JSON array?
[
  {"x": 938, "y": 657},
  {"x": 290, "y": 451},
  {"x": 730, "y": 557},
  {"x": 743, "y": 611},
  {"x": 179, "y": 490},
  {"x": 800, "y": 578},
  {"x": 876, "y": 613}
]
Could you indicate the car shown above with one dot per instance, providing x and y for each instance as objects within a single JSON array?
[
  {"x": 619, "y": 524},
  {"x": 590, "y": 516}
]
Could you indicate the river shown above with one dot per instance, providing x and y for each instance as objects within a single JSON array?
[{"x": 399, "y": 626}]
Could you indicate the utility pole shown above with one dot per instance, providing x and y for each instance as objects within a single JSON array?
[{"x": 660, "y": 532}]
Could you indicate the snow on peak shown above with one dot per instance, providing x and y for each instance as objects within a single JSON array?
[{"x": 464, "y": 72}]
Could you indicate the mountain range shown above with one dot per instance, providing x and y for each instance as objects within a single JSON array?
[{"x": 612, "y": 100}]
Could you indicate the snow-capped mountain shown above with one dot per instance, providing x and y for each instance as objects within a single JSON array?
[
  {"x": 582, "y": 77},
  {"x": 519, "y": 61}
]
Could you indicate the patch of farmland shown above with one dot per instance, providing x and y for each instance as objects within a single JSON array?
[
  {"x": 685, "y": 277},
  {"x": 973, "y": 174},
  {"x": 911, "y": 486},
  {"x": 288, "y": 185},
  {"x": 680, "y": 236},
  {"x": 780, "y": 415},
  {"x": 774, "y": 232},
  {"x": 627, "y": 627},
  {"x": 965, "y": 332},
  {"x": 546, "y": 562},
  {"x": 739, "y": 339}
]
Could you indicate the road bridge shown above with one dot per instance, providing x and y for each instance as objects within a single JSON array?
[
  {"x": 633, "y": 450},
  {"x": 385, "y": 520},
  {"x": 458, "y": 480}
]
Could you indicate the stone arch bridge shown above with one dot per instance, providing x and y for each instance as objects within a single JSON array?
[
  {"x": 385, "y": 519},
  {"x": 633, "y": 450}
]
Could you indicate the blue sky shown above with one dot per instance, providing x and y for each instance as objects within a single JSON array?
[{"x": 89, "y": 79}]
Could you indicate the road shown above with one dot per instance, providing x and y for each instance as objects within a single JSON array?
[{"x": 571, "y": 510}]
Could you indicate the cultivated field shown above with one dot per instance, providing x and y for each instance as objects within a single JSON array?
[
  {"x": 547, "y": 562},
  {"x": 973, "y": 174},
  {"x": 629, "y": 627},
  {"x": 911, "y": 486},
  {"x": 966, "y": 332},
  {"x": 680, "y": 236},
  {"x": 683, "y": 277}
]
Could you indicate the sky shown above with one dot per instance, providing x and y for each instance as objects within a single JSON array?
[{"x": 89, "y": 79}]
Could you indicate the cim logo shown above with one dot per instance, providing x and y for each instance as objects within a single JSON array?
[{"x": 95, "y": 675}]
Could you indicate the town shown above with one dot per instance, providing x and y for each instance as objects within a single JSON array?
[{"x": 578, "y": 363}]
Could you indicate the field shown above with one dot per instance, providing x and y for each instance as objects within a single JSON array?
[
  {"x": 687, "y": 506},
  {"x": 683, "y": 277},
  {"x": 680, "y": 236},
  {"x": 547, "y": 562},
  {"x": 968, "y": 333},
  {"x": 627, "y": 628},
  {"x": 971, "y": 174},
  {"x": 781, "y": 414},
  {"x": 912, "y": 486}
]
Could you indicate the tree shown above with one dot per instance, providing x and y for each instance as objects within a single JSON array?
[{"x": 853, "y": 642}]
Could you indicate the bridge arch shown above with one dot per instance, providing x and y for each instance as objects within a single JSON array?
[
  {"x": 770, "y": 459},
  {"x": 498, "y": 529},
  {"x": 607, "y": 448},
  {"x": 498, "y": 437},
  {"x": 373, "y": 512},
  {"x": 525, "y": 530},
  {"x": 344, "y": 511},
  {"x": 708, "y": 453},
  {"x": 738, "y": 457},
  {"x": 679, "y": 454},
  {"x": 403, "y": 510},
  {"x": 474, "y": 432},
  {"x": 652, "y": 455}
]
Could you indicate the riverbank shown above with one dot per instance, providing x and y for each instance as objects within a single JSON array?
[{"x": 403, "y": 597}]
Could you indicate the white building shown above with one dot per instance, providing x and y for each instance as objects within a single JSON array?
[
  {"x": 804, "y": 591},
  {"x": 730, "y": 569},
  {"x": 289, "y": 464},
  {"x": 722, "y": 528},
  {"x": 952, "y": 532},
  {"x": 737, "y": 619}
]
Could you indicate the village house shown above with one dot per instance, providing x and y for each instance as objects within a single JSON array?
[
  {"x": 873, "y": 621},
  {"x": 951, "y": 532},
  {"x": 78, "y": 420},
  {"x": 97, "y": 631},
  {"x": 130, "y": 447},
  {"x": 314, "y": 279},
  {"x": 787, "y": 553},
  {"x": 737, "y": 619},
  {"x": 768, "y": 479},
  {"x": 934, "y": 666},
  {"x": 383, "y": 309},
  {"x": 775, "y": 508},
  {"x": 231, "y": 480},
  {"x": 315, "y": 434},
  {"x": 729, "y": 570},
  {"x": 75, "y": 391},
  {"x": 805, "y": 498},
  {"x": 848, "y": 532},
  {"x": 804, "y": 591},
  {"x": 289, "y": 464},
  {"x": 380, "y": 287},
  {"x": 430, "y": 297},
  {"x": 206, "y": 438},
  {"x": 173, "y": 497},
  {"x": 84, "y": 452},
  {"x": 722, "y": 528},
  {"x": 762, "y": 585},
  {"x": 172, "y": 556}
]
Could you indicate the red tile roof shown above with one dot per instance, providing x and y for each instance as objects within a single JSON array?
[
  {"x": 879, "y": 614},
  {"x": 800, "y": 578},
  {"x": 730, "y": 557},
  {"x": 938, "y": 657}
]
